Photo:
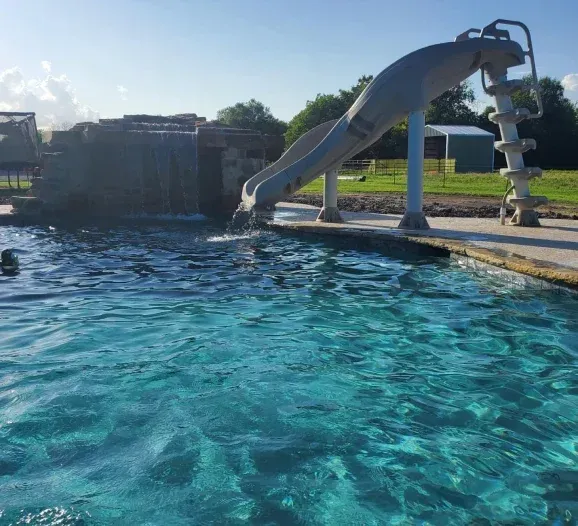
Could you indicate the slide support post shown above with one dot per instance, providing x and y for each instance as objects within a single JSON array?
[{"x": 414, "y": 218}]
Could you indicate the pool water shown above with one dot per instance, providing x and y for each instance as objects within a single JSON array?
[{"x": 183, "y": 375}]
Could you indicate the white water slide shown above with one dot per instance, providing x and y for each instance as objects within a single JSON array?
[{"x": 406, "y": 86}]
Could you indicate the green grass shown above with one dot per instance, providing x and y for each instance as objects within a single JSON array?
[
  {"x": 556, "y": 185},
  {"x": 24, "y": 184}
]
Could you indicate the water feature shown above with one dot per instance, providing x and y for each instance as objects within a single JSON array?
[
  {"x": 183, "y": 375},
  {"x": 125, "y": 167}
]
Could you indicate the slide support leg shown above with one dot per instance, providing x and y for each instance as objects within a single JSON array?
[
  {"x": 414, "y": 218},
  {"x": 330, "y": 213}
]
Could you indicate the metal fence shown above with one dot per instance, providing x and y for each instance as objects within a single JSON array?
[
  {"x": 15, "y": 178},
  {"x": 395, "y": 167}
]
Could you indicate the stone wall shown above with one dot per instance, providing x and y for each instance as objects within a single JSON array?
[{"x": 159, "y": 166}]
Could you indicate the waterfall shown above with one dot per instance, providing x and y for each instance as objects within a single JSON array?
[{"x": 122, "y": 167}]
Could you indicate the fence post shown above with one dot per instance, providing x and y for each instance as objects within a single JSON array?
[
  {"x": 18, "y": 178},
  {"x": 445, "y": 166}
]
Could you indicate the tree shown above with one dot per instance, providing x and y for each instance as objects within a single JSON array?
[
  {"x": 453, "y": 107},
  {"x": 556, "y": 132},
  {"x": 350, "y": 95},
  {"x": 391, "y": 145},
  {"x": 252, "y": 115},
  {"x": 324, "y": 108}
]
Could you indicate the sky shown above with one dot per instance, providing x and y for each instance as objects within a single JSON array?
[{"x": 75, "y": 60}]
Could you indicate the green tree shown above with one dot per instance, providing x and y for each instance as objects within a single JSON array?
[
  {"x": 556, "y": 132},
  {"x": 454, "y": 107},
  {"x": 252, "y": 115},
  {"x": 391, "y": 145},
  {"x": 349, "y": 96},
  {"x": 324, "y": 108}
]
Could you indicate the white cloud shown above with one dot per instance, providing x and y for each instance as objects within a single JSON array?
[
  {"x": 46, "y": 66},
  {"x": 52, "y": 98},
  {"x": 570, "y": 82},
  {"x": 123, "y": 92}
]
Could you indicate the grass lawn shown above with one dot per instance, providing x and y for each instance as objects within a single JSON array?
[
  {"x": 24, "y": 184},
  {"x": 560, "y": 186}
]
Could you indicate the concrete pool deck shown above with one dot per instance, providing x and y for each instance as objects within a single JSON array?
[{"x": 549, "y": 253}]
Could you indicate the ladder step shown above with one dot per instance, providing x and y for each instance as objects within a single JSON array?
[
  {"x": 530, "y": 172},
  {"x": 511, "y": 117},
  {"x": 529, "y": 202},
  {"x": 519, "y": 146},
  {"x": 506, "y": 88}
]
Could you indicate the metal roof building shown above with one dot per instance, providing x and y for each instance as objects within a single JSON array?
[{"x": 471, "y": 147}]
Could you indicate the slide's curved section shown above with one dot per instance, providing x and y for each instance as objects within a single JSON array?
[
  {"x": 301, "y": 147},
  {"x": 409, "y": 84}
]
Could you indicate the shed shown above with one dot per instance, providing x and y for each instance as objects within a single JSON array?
[{"x": 471, "y": 147}]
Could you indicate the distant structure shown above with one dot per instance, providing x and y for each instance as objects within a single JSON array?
[
  {"x": 471, "y": 147},
  {"x": 145, "y": 164},
  {"x": 19, "y": 144}
]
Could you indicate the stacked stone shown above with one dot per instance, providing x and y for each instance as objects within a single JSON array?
[
  {"x": 60, "y": 187},
  {"x": 147, "y": 164}
]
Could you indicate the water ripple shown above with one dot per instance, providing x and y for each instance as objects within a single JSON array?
[{"x": 185, "y": 375}]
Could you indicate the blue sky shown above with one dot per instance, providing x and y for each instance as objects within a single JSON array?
[{"x": 74, "y": 59}]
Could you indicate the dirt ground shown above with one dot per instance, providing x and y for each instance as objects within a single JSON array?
[{"x": 434, "y": 205}]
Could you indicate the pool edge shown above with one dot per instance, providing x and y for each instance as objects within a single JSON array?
[{"x": 556, "y": 275}]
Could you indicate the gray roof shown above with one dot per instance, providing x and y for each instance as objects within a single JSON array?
[{"x": 436, "y": 130}]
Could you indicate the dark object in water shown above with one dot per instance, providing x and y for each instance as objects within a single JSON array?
[{"x": 9, "y": 262}]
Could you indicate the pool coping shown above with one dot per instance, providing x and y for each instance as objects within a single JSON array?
[{"x": 556, "y": 275}]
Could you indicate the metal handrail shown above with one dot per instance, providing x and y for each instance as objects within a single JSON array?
[{"x": 492, "y": 30}]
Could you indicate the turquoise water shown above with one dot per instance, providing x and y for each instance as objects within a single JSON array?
[{"x": 178, "y": 375}]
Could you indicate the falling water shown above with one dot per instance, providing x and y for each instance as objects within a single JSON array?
[
  {"x": 151, "y": 183},
  {"x": 168, "y": 179},
  {"x": 161, "y": 155},
  {"x": 244, "y": 221}
]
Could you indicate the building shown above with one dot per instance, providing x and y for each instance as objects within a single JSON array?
[{"x": 471, "y": 147}]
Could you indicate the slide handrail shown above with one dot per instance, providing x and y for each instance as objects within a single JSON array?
[{"x": 491, "y": 30}]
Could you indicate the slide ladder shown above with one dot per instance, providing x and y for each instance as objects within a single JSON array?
[{"x": 507, "y": 118}]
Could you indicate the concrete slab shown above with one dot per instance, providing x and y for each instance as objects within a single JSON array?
[{"x": 549, "y": 252}]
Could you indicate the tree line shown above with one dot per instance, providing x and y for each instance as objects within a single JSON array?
[{"x": 556, "y": 132}]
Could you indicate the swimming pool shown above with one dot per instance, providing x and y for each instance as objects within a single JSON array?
[{"x": 181, "y": 375}]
